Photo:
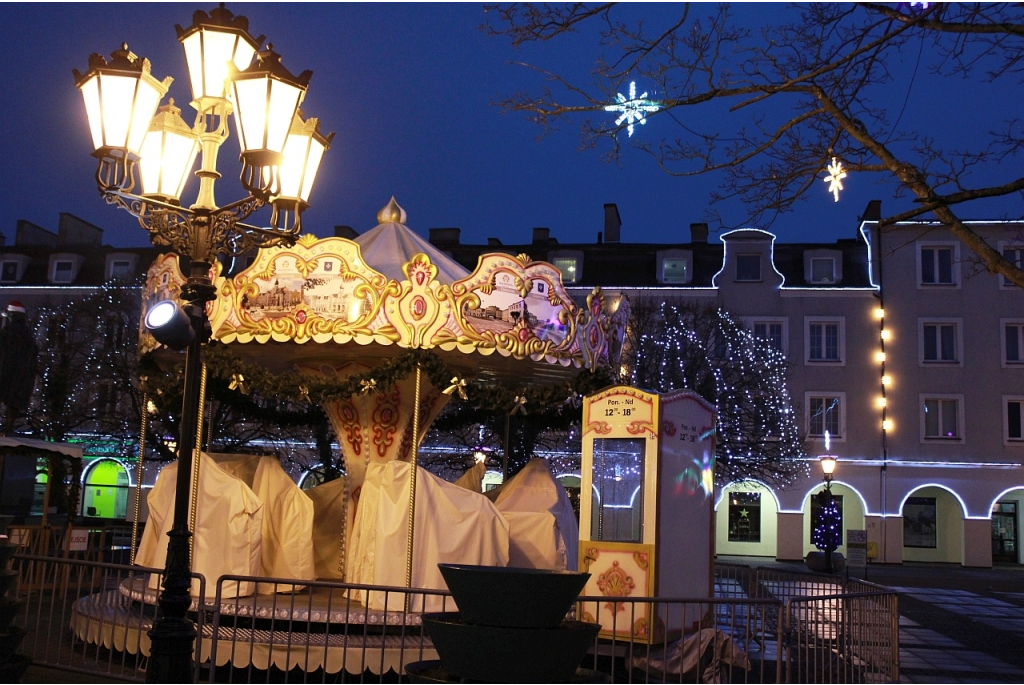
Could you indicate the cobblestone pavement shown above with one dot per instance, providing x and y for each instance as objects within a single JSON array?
[{"x": 957, "y": 625}]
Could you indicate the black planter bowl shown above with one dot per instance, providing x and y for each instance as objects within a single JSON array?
[
  {"x": 512, "y": 597},
  {"x": 9, "y": 641},
  {"x": 7, "y": 578},
  {"x": 9, "y": 608},
  {"x": 816, "y": 561},
  {"x": 509, "y": 655},
  {"x": 14, "y": 670}
]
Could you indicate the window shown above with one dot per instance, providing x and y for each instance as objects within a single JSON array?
[
  {"x": 1013, "y": 414},
  {"x": 825, "y": 413},
  {"x": 673, "y": 270},
  {"x": 824, "y": 340},
  {"x": 941, "y": 417},
  {"x": 744, "y": 517},
  {"x": 1015, "y": 255},
  {"x": 568, "y": 269},
  {"x": 823, "y": 270},
  {"x": 748, "y": 267},
  {"x": 940, "y": 342},
  {"x": 1013, "y": 342},
  {"x": 62, "y": 271},
  {"x": 771, "y": 332},
  {"x": 120, "y": 269},
  {"x": 9, "y": 272},
  {"x": 937, "y": 265}
]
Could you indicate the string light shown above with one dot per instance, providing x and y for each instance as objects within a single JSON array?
[
  {"x": 879, "y": 356},
  {"x": 887, "y": 425},
  {"x": 887, "y": 380}
]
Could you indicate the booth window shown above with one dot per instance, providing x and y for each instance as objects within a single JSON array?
[
  {"x": 744, "y": 517},
  {"x": 618, "y": 489}
]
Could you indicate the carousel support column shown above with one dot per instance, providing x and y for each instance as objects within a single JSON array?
[
  {"x": 138, "y": 476},
  {"x": 197, "y": 461},
  {"x": 173, "y": 634},
  {"x": 412, "y": 484}
]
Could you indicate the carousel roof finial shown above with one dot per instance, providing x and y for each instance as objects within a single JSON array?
[{"x": 391, "y": 213}]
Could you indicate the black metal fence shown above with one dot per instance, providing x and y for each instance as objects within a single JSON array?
[{"x": 762, "y": 625}]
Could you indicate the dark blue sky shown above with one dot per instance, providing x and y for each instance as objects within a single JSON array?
[{"x": 408, "y": 90}]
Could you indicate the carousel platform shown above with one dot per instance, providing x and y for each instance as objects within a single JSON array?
[{"x": 312, "y": 629}]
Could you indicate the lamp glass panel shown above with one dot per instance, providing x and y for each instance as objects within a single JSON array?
[
  {"x": 284, "y": 100},
  {"x": 147, "y": 99},
  {"x": 218, "y": 51},
  {"x": 149, "y": 162},
  {"x": 250, "y": 112},
  {"x": 91, "y": 95},
  {"x": 183, "y": 151},
  {"x": 316, "y": 153},
  {"x": 293, "y": 165},
  {"x": 194, "y": 59},
  {"x": 117, "y": 94},
  {"x": 243, "y": 54}
]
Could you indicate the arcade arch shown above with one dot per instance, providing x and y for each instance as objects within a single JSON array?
[
  {"x": 852, "y": 511},
  {"x": 933, "y": 525},
  {"x": 746, "y": 516},
  {"x": 105, "y": 486},
  {"x": 1006, "y": 514}
]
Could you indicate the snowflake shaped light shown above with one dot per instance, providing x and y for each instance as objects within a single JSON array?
[
  {"x": 633, "y": 110},
  {"x": 836, "y": 174}
]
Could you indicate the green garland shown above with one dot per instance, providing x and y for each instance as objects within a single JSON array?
[{"x": 224, "y": 364}]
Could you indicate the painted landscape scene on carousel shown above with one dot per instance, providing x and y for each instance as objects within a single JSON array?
[
  {"x": 504, "y": 308},
  {"x": 328, "y": 290}
]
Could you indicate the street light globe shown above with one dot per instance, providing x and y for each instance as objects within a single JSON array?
[
  {"x": 168, "y": 154},
  {"x": 212, "y": 41},
  {"x": 828, "y": 464}
]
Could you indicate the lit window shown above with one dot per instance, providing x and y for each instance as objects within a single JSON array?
[
  {"x": 1013, "y": 342},
  {"x": 825, "y": 414},
  {"x": 823, "y": 270},
  {"x": 744, "y": 517},
  {"x": 673, "y": 270},
  {"x": 939, "y": 343},
  {"x": 941, "y": 419},
  {"x": 937, "y": 266},
  {"x": 748, "y": 267},
  {"x": 568, "y": 269},
  {"x": 823, "y": 342},
  {"x": 1014, "y": 414},
  {"x": 62, "y": 271},
  {"x": 9, "y": 272}
]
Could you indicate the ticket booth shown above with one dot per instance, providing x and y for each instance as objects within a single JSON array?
[{"x": 646, "y": 506}]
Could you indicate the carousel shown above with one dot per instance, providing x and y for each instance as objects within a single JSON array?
[{"x": 382, "y": 331}]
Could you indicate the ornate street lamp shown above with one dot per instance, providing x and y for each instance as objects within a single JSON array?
[
  {"x": 828, "y": 467},
  {"x": 131, "y": 137}
]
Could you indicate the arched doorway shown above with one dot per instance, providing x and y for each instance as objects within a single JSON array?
[
  {"x": 933, "y": 525},
  {"x": 1006, "y": 514},
  {"x": 105, "y": 486},
  {"x": 745, "y": 520},
  {"x": 851, "y": 512}
]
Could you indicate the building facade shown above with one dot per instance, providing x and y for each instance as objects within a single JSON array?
[{"x": 899, "y": 345}]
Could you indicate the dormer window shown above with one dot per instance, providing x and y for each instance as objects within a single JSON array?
[
  {"x": 568, "y": 269},
  {"x": 8, "y": 272},
  {"x": 63, "y": 271},
  {"x": 823, "y": 270},
  {"x": 748, "y": 267},
  {"x": 569, "y": 263},
  {"x": 120, "y": 269},
  {"x": 674, "y": 270}
]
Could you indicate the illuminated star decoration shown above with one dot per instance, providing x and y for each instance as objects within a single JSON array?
[
  {"x": 632, "y": 109},
  {"x": 835, "y": 177}
]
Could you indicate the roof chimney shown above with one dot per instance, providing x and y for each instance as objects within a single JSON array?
[
  {"x": 698, "y": 233},
  {"x": 494, "y": 241},
  {"x": 444, "y": 237},
  {"x": 541, "y": 235},
  {"x": 612, "y": 223},
  {"x": 345, "y": 232},
  {"x": 873, "y": 212}
]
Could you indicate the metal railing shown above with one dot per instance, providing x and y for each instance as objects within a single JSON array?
[{"x": 763, "y": 625}]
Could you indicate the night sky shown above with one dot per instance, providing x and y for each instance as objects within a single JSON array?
[{"x": 409, "y": 92}]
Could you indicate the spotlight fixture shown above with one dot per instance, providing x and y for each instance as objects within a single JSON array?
[{"x": 170, "y": 325}]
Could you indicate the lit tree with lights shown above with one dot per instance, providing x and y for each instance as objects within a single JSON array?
[
  {"x": 674, "y": 346},
  {"x": 816, "y": 89},
  {"x": 827, "y": 534}
]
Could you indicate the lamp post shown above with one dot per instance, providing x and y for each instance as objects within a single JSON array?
[
  {"x": 828, "y": 467},
  {"x": 134, "y": 136}
]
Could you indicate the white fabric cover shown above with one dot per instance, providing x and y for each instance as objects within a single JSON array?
[
  {"x": 453, "y": 525},
  {"x": 328, "y": 527},
  {"x": 287, "y": 550},
  {"x": 473, "y": 478},
  {"x": 389, "y": 246},
  {"x": 228, "y": 536},
  {"x": 543, "y": 531}
]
